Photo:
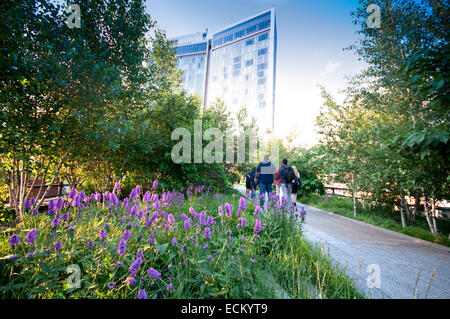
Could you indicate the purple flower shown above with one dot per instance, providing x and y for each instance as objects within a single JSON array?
[
  {"x": 31, "y": 236},
  {"x": 147, "y": 196},
  {"x": 142, "y": 294},
  {"x": 30, "y": 255},
  {"x": 55, "y": 221},
  {"x": 135, "y": 266},
  {"x": 90, "y": 244},
  {"x": 122, "y": 247},
  {"x": 252, "y": 260},
  {"x": 257, "y": 225},
  {"x": 220, "y": 210},
  {"x": 208, "y": 257},
  {"x": 57, "y": 245},
  {"x": 243, "y": 221},
  {"x": 239, "y": 212},
  {"x": 72, "y": 193},
  {"x": 257, "y": 210},
  {"x": 126, "y": 234},
  {"x": 34, "y": 212},
  {"x": 228, "y": 210},
  {"x": 191, "y": 211},
  {"x": 14, "y": 240},
  {"x": 131, "y": 281},
  {"x": 102, "y": 233},
  {"x": 117, "y": 186},
  {"x": 169, "y": 287},
  {"x": 155, "y": 184},
  {"x": 174, "y": 241},
  {"x": 207, "y": 232},
  {"x": 206, "y": 246},
  {"x": 242, "y": 203},
  {"x": 152, "y": 272},
  {"x": 187, "y": 224},
  {"x": 111, "y": 285},
  {"x": 171, "y": 219}
]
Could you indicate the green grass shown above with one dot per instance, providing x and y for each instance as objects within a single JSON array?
[
  {"x": 284, "y": 261},
  {"x": 381, "y": 217}
]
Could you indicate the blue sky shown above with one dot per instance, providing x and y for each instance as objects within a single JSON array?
[{"x": 311, "y": 36}]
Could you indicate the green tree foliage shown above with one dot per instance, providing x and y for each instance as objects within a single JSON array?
[{"x": 391, "y": 134}]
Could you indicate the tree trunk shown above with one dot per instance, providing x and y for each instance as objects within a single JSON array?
[
  {"x": 353, "y": 195},
  {"x": 416, "y": 207},
  {"x": 427, "y": 215},
  {"x": 433, "y": 214},
  {"x": 408, "y": 212},
  {"x": 402, "y": 209}
]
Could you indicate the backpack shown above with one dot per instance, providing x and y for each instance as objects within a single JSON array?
[{"x": 289, "y": 174}]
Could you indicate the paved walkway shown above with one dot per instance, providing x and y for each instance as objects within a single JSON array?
[{"x": 402, "y": 260}]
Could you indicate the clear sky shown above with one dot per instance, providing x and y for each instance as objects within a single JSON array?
[{"x": 311, "y": 36}]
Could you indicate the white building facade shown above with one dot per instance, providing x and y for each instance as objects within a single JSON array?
[{"x": 236, "y": 64}]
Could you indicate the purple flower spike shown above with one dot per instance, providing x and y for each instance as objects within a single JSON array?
[
  {"x": 14, "y": 240},
  {"x": 142, "y": 294},
  {"x": 152, "y": 272},
  {"x": 122, "y": 247},
  {"x": 257, "y": 225},
  {"x": 31, "y": 236}
]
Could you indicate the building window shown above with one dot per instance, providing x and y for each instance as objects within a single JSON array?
[
  {"x": 228, "y": 38},
  {"x": 236, "y": 73},
  {"x": 262, "y": 66},
  {"x": 262, "y": 104},
  {"x": 236, "y": 66},
  {"x": 249, "y": 62},
  {"x": 239, "y": 34},
  {"x": 214, "y": 78},
  {"x": 263, "y": 36},
  {"x": 225, "y": 70},
  {"x": 246, "y": 91},
  {"x": 262, "y": 51},
  {"x": 225, "y": 89},
  {"x": 249, "y": 42},
  {"x": 237, "y": 59},
  {"x": 264, "y": 25},
  {"x": 251, "y": 29},
  {"x": 261, "y": 74},
  {"x": 261, "y": 96},
  {"x": 247, "y": 77},
  {"x": 199, "y": 65},
  {"x": 234, "y": 101},
  {"x": 225, "y": 75},
  {"x": 261, "y": 81}
]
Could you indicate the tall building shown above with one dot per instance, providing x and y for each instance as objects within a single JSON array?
[{"x": 236, "y": 64}]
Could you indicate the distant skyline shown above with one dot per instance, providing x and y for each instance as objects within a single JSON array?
[{"x": 311, "y": 38}]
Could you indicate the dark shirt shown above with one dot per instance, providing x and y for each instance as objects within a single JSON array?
[
  {"x": 265, "y": 170},
  {"x": 282, "y": 173}
]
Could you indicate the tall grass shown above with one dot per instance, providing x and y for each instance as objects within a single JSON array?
[{"x": 234, "y": 262}]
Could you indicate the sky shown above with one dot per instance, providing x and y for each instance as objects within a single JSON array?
[{"x": 311, "y": 37}]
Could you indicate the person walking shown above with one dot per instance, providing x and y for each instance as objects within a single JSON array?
[
  {"x": 295, "y": 185},
  {"x": 287, "y": 177},
  {"x": 264, "y": 174},
  {"x": 278, "y": 183},
  {"x": 252, "y": 181}
]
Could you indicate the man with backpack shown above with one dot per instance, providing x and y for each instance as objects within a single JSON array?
[
  {"x": 287, "y": 178},
  {"x": 264, "y": 175}
]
